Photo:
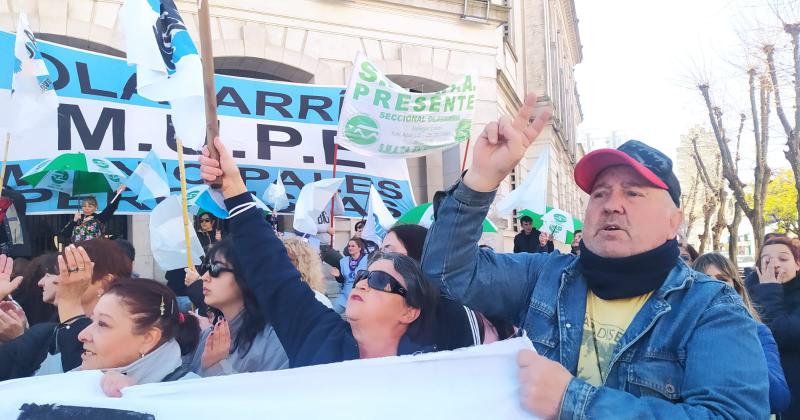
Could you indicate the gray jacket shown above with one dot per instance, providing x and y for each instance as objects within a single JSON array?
[{"x": 265, "y": 354}]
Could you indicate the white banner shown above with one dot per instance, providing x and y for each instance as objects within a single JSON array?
[
  {"x": 474, "y": 383},
  {"x": 270, "y": 127},
  {"x": 381, "y": 118}
]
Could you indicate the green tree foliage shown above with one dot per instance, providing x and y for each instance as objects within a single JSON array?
[{"x": 780, "y": 206}]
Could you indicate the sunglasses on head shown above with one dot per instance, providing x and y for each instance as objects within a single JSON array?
[
  {"x": 215, "y": 269},
  {"x": 378, "y": 280}
]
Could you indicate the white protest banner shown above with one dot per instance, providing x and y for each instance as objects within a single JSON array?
[
  {"x": 474, "y": 383},
  {"x": 380, "y": 118},
  {"x": 270, "y": 127}
]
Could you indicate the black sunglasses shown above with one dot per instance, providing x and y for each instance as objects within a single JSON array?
[
  {"x": 215, "y": 269},
  {"x": 378, "y": 280},
  {"x": 204, "y": 219}
]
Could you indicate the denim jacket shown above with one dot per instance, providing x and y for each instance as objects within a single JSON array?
[{"x": 692, "y": 351}]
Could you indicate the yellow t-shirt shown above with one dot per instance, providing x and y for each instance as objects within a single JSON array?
[{"x": 603, "y": 326}]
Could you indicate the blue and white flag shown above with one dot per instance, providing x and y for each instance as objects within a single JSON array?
[
  {"x": 275, "y": 194},
  {"x": 379, "y": 219},
  {"x": 532, "y": 194},
  {"x": 168, "y": 67},
  {"x": 34, "y": 102},
  {"x": 210, "y": 200},
  {"x": 149, "y": 179}
]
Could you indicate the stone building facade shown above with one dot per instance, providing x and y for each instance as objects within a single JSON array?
[{"x": 515, "y": 46}]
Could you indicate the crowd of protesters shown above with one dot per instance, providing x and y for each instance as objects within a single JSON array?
[{"x": 628, "y": 323}]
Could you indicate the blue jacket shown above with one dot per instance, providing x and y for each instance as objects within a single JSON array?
[
  {"x": 340, "y": 303},
  {"x": 311, "y": 333},
  {"x": 692, "y": 351},
  {"x": 779, "y": 395}
]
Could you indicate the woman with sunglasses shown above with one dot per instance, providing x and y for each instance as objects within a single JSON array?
[
  {"x": 717, "y": 266},
  {"x": 207, "y": 230},
  {"x": 388, "y": 308},
  {"x": 241, "y": 339}
]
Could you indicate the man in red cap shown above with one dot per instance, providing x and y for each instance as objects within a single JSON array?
[{"x": 626, "y": 329}]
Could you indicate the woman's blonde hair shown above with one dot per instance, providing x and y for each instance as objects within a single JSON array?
[
  {"x": 729, "y": 271},
  {"x": 306, "y": 261}
]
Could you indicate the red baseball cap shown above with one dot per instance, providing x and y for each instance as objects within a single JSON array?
[{"x": 648, "y": 162}]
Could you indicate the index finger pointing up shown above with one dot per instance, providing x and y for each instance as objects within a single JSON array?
[{"x": 525, "y": 113}]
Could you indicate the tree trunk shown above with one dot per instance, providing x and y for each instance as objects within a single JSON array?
[
  {"x": 733, "y": 231},
  {"x": 708, "y": 212},
  {"x": 716, "y": 231}
]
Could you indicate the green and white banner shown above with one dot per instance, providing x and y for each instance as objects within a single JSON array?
[{"x": 381, "y": 118}]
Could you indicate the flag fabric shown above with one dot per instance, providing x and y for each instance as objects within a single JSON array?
[
  {"x": 168, "y": 67},
  {"x": 314, "y": 199},
  {"x": 34, "y": 101},
  {"x": 149, "y": 179},
  {"x": 275, "y": 195},
  {"x": 532, "y": 194},
  {"x": 203, "y": 198},
  {"x": 560, "y": 224},
  {"x": 379, "y": 220},
  {"x": 167, "y": 238}
]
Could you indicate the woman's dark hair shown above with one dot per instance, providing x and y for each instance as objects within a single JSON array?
[
  {"x": 412, "y": 237},
  {"x": 421, "y": 294},
  {"x": 253, "y": 321},
  {"x": 153, "y": 304},
  {"x": 108, "y": 258},
  {"x": 29, "y": 294}
]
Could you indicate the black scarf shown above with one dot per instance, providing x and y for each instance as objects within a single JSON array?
[{"x": 617, "y": 278}]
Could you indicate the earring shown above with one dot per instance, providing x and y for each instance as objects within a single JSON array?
[
  {"x": 141, "y": 355},
  {"x": 161, "y": 308}
]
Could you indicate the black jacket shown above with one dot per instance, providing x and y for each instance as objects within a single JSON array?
[
  {"x": 311, "y": 333},
  {"x": 15, "y": 222},
  {"x": 779, "y": 306},
  {"x": 21, "y": 357},
  {"x": 530, "y": 243}
]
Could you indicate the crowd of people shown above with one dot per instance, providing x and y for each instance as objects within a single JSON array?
[{"x": 628, "y": 323}]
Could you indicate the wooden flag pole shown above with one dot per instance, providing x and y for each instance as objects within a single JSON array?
[
  {"x": 5, "y": 159},
  {"x": 207, "y": 58},
  {"x": 464, "y": 162},
  {"x": 333, "y": 200},
  {"x": 184, "y": 206}
]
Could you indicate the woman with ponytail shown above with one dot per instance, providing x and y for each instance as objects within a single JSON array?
[{"x": 138, "y": 336}]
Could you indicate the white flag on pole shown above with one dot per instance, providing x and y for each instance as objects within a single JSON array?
[
  {"x": 532, "y": 194},
  {"x": 276, "y": 195},
  {"x": 34, "y": 102},
  {"x": 168, "y": 67},
  {"x": 314, "y": 199},
  {"x": 379, "y": 220},
  {"x": 167, "y": 240}
]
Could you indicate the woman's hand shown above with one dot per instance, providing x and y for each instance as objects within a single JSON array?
[
  {"x": 191, "y": 276},
  {"x": 13, "y": 321},
  {"x": 75, "y": 270},
  {"x": 769, "y": 274},
  {"x": 7, "y": 285},
  {"x": 113, "y": 382},
  {"x": 335, "y": 272},
  {"x": 218, "y": 345},
  {"x": 218, "y": 235},
  {"x": 225, "y": 168},
  {"x": 76, "y": 217}
]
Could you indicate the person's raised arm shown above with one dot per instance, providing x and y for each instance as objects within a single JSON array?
[
  {"x": 285, "y": 301},
  {"x": 112, "y": 206},
  {"x": 494, "y": 284}
]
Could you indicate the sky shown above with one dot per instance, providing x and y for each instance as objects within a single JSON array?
[{"x": 642, "y": 61}]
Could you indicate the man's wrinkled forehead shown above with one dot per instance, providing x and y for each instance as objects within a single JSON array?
[{"x": 621, "y": 175}]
